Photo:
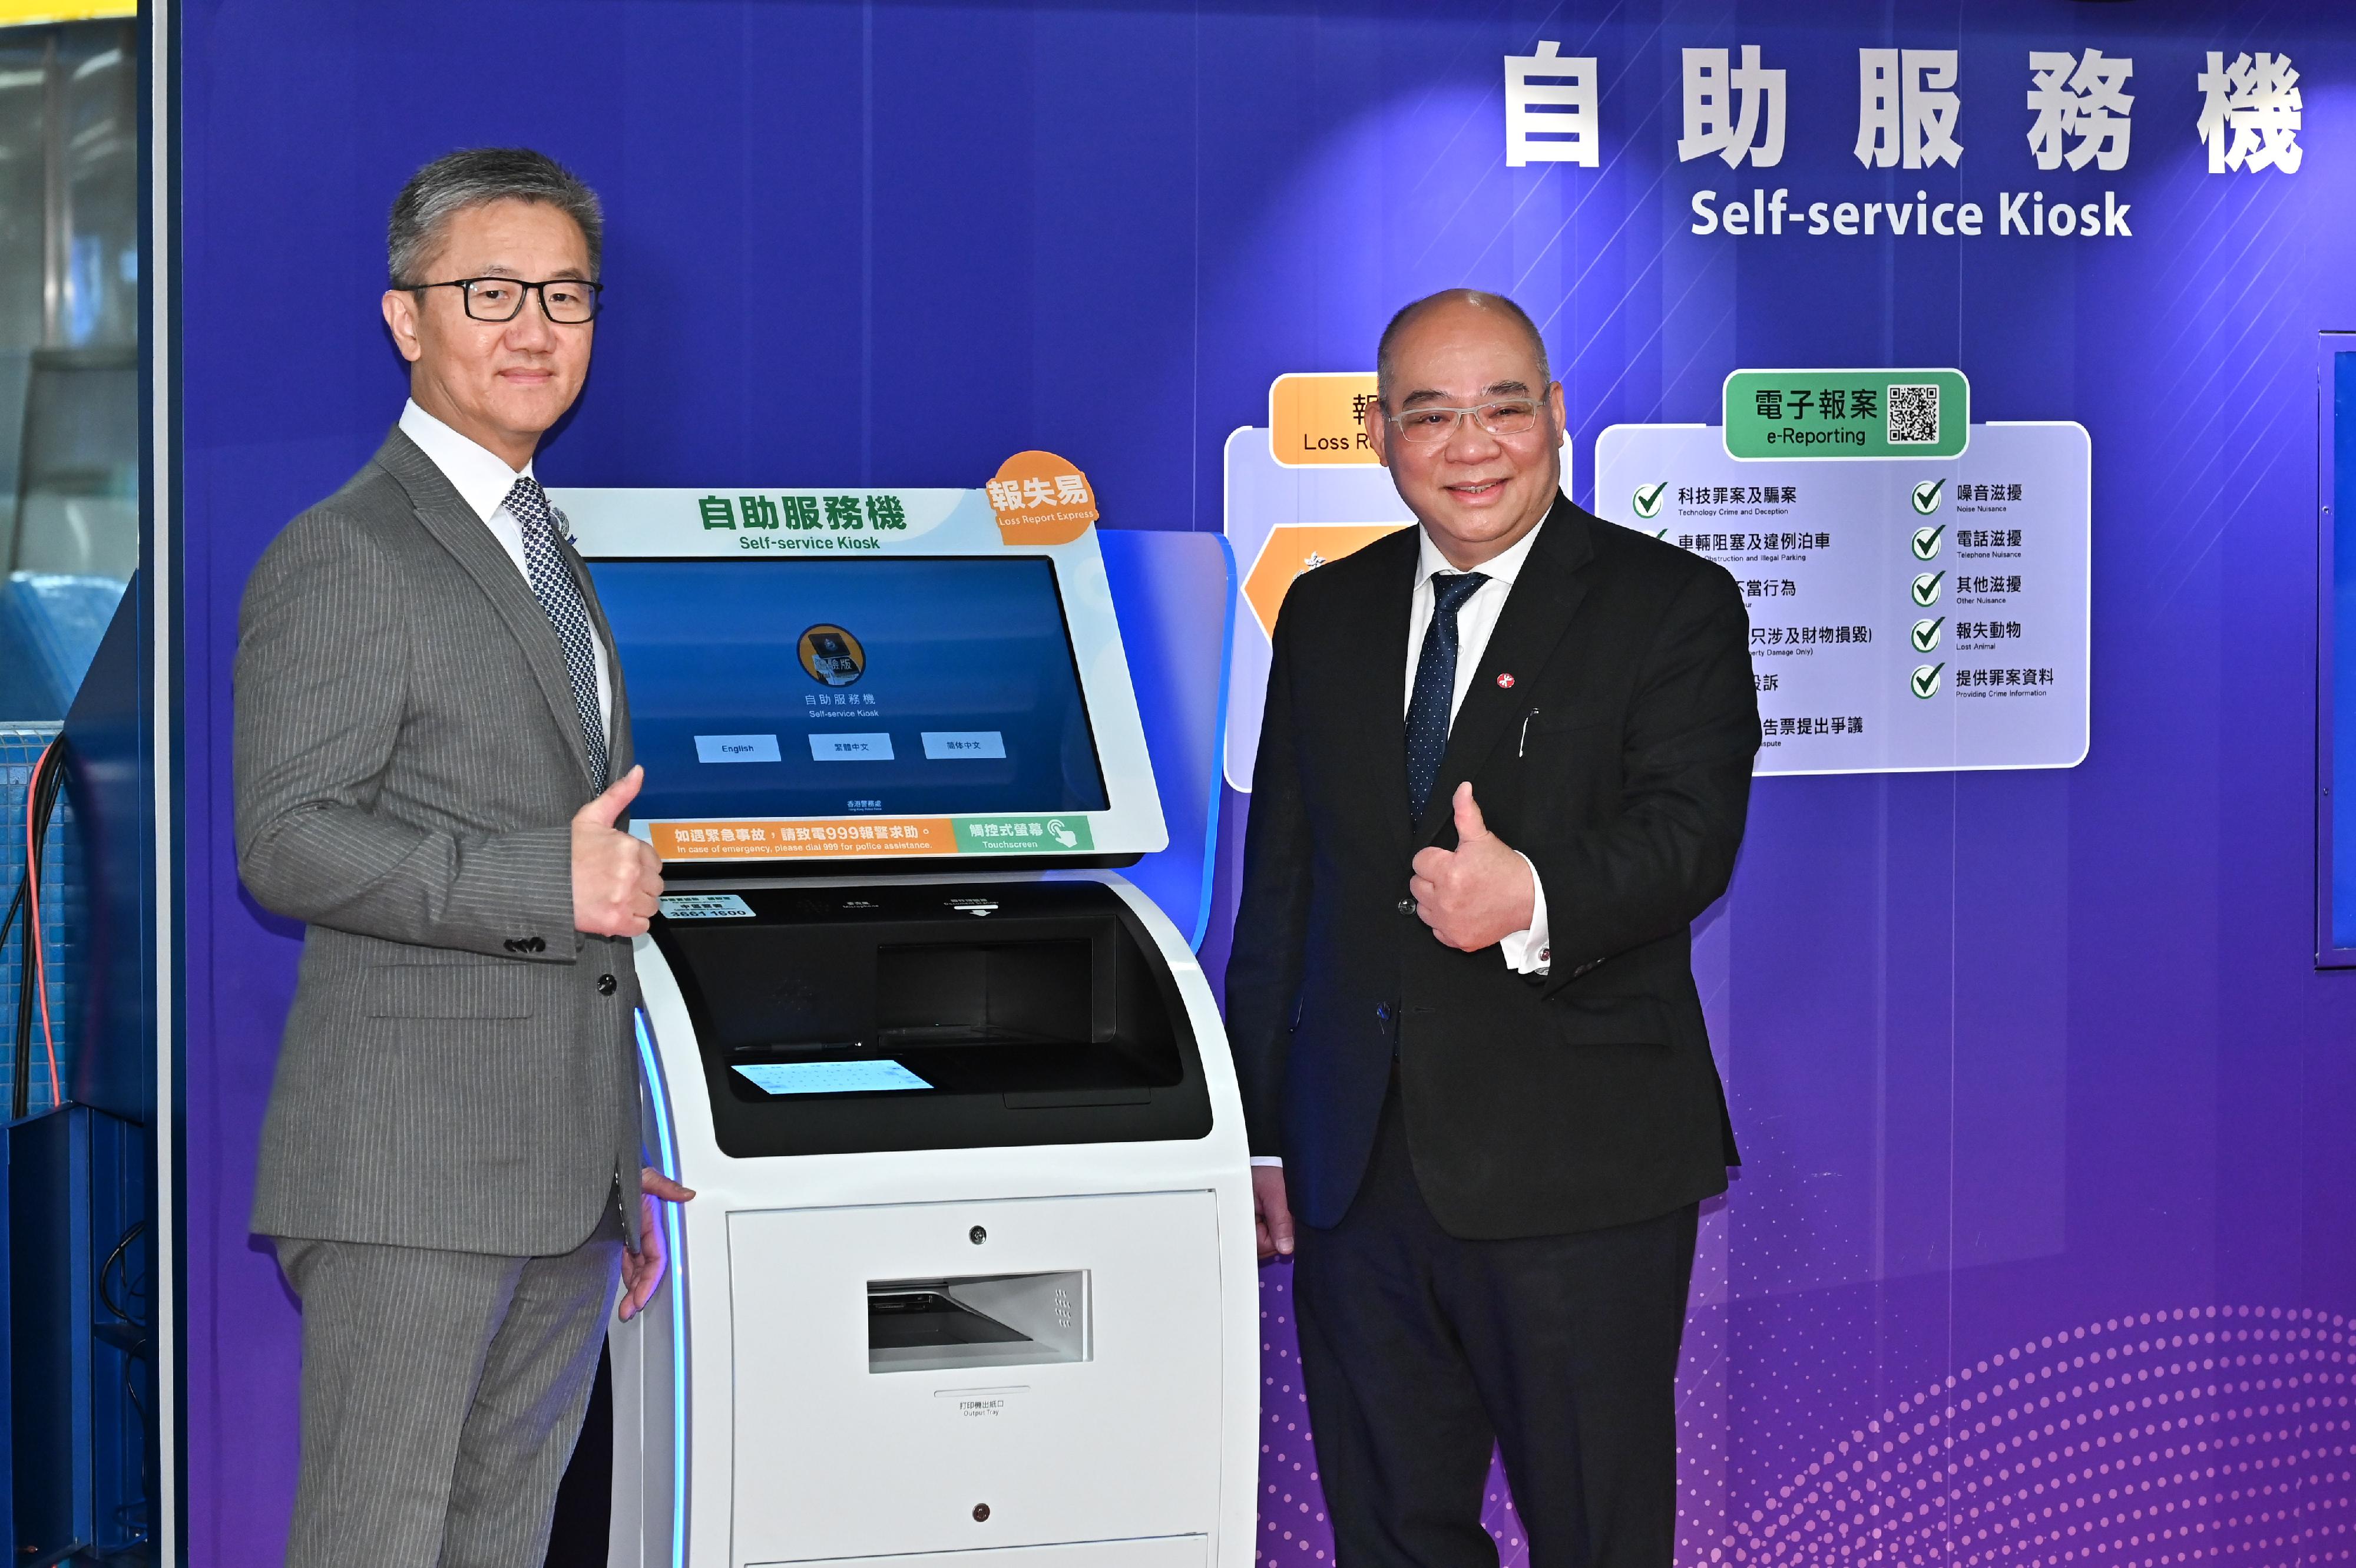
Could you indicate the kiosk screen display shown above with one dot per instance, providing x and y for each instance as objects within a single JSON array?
[{"x": 827, "y": 688}]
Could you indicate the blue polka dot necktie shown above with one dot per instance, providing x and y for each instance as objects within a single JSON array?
[
  {"x": 1435, "y": 686},
  {"x": 560, "y": 595}
]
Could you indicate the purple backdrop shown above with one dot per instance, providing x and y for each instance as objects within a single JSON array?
[{"x": 2042, "y": 1251}]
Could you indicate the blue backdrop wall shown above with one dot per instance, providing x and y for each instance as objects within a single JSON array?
[{"x": 2043, "y": 1250}]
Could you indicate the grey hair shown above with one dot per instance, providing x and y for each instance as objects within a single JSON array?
[
  {"x": 1471, "y": 297},
  {"x": 456, "y": 181}
]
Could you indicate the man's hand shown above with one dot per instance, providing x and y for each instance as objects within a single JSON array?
[
  {"x": 1271, "y": 1211},
  {"x": 1477, "y": 893},
  {"x": 642, "y": 1271},
  {"x": 616, "y": 877}
]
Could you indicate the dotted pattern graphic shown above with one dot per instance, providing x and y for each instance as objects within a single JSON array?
[
  {"x": 2195, "y": 1435},
  {"x": 1294, "y": 1527}
]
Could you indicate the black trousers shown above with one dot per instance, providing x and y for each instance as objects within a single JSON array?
[{"x": 1419, "y": 1350}]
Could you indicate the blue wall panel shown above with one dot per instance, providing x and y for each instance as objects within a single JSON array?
[{"x": 2017, "y": 1058}]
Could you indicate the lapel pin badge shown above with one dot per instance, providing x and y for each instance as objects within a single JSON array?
[{"x": 1505, "y": 682}]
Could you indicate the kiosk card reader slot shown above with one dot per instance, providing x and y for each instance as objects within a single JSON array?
[{"x": 990, "y": 1320}]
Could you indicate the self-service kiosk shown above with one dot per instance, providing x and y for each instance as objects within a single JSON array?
[{"x": 970, "y": 1275}]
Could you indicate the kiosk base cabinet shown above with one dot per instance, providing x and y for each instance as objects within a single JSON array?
[
  {"x": 1008, "y": 1313},
  {"x": 949, "y": 1377}
]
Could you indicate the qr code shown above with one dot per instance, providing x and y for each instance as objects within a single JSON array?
[{"x": 1914, "y": 416}]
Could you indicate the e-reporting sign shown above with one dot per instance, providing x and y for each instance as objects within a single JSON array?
[{"x": 1907, "y": 613}]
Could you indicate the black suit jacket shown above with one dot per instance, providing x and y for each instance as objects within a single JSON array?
[{"x": 1618, "y": 761}]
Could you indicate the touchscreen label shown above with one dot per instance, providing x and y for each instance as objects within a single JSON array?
[{"x": 1024, "y": 835}]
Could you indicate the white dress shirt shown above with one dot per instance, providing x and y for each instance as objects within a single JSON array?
[
  {"x": 483, "y": 480},
  {"x": 1525, "y": 952}
]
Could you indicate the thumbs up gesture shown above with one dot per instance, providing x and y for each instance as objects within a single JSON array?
[
  {"x": 616, "y": 877},
  {"x": 1479, "y": 892}
]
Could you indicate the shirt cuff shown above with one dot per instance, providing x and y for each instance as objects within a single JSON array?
[
  {"x": 1267, "y": 1160},
  {"x": 1531, "y": 951}
]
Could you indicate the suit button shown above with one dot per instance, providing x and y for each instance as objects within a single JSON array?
[
  {"x": 1382, "y": 1012},
  {"x": 1407, "y": 906},
  {"x": 605, "y": 985},
  {"x": 536, "y": 944},
  {"x": 513, "y": 945}
]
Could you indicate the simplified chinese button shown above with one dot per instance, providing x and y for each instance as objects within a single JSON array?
[
  {"x": 955, "y": 745},
  {"x": 876, "y": 747}
]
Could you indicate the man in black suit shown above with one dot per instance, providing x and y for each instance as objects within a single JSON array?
[{"x": 1461, "y": 996}]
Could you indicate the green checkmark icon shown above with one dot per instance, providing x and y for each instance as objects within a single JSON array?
[
  {"x": 1926, "y": 588},
  {"x": 1926, "y": 541},
  {"x": 1926, "y": 634},
  {"x": 1925, "y": 680},
  {"x": 1648, "y": 499},
  {"x": 1926, "y": 496}
]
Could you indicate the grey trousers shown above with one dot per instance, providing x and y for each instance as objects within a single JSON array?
[{"x": 442, "y": 1396}]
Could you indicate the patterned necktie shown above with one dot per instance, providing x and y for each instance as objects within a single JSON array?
[
  {"x": 1435, "y": 686},
  {"x": 560, "y": 595}
]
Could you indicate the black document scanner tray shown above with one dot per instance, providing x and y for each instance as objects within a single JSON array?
[{"x": 1033, "y": 1012}]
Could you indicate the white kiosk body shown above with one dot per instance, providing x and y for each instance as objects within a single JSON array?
[{"x": 971, "y": 1270}]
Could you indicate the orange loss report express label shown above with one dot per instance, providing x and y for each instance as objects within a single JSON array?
[
  {"x": 1318, "y": 420},
  {"x": 1041, "y": 498},
  {"x": 782, "y": 841}
]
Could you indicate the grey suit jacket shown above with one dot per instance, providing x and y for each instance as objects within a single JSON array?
[{"x": 457, "y": 1071}]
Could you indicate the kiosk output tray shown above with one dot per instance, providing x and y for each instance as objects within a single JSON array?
[{"x": 1035, "y": 1011}]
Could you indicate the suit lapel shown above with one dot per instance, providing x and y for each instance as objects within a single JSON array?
[
  {"x": 1544, "y": 597},
  {"x": 1374, "y": 661},
  {"x": 454, "y": 526}
]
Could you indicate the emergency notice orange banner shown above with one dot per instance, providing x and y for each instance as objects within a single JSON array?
[{"x": 781, "y": 841}]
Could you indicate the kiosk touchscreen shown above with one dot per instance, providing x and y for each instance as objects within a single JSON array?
[{"x": 971, "y": 1269}]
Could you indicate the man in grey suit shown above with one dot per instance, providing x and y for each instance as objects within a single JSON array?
[{"x": 433, "y": 760}]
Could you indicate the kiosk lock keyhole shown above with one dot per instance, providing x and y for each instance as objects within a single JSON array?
[{"x": 977, "y": 1235}]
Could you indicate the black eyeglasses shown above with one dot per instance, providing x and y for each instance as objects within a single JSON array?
[{"x": 569, "y": 302}]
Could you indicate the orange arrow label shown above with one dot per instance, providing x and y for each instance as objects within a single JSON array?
[{"x": 1294, "y": 548}]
